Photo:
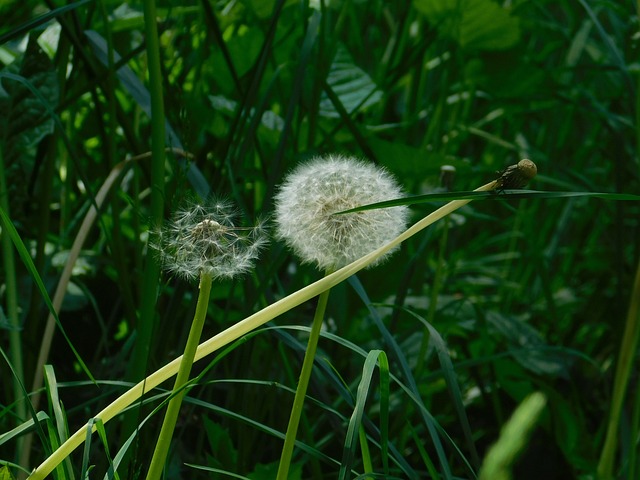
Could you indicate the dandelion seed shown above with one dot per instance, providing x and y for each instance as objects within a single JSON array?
[
  {"x": 204, "y": 239},
  {"x": 314, "y": 191}
]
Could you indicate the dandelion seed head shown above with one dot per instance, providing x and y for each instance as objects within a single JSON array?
[
  {"x": 204, "y": 238},
  {"x": 314, "y": 191}
]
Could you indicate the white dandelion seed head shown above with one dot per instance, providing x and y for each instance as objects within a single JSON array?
[
  {"x": 203, "y": 238},
  {"x": 313, "y": 191}
]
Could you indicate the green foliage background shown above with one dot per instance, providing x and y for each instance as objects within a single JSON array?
[{"x": 531, "y": 294}]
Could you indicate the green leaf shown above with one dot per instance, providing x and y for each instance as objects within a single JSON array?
[
  {"x": 513, "y": 438},
  {"x": 26, "y": 118},
  {"x": 490, "y": 195},
  {"x": 364, "y": 388},
  {"x": 351, "y": 84},
  {"x": 5, "y": 474},
  {"x": 527, "y": 345},
  {"x": 269, "y": 471},
  {"x": 244, "y": 45},
  {"x": 473, "y": 24},
  {"x": 413, "y": 164},
  {"x": 225, "y": 454},
  {"x": 39, "y": 20}
]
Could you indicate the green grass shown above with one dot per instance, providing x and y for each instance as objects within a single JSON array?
[{"x": 506, "y": 298}]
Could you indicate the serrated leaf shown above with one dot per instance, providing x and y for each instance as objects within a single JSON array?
[
  {"x": 473, "y": 24},
  {"x": 353, "y": 86}
]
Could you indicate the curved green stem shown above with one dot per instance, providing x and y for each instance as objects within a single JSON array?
[
  {"x": 301, "y": 391},
  {"x": 169, "y": 423}
]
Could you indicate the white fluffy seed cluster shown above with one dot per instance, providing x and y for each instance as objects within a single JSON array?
[
  {"x": 314, "y": 191},
  {"x": 204, "y": 239}
]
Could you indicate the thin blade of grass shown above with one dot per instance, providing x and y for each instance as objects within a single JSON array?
[
  {"x": 406, "y": 372},
  {"x": 356, "y": 418},
  {"x": 454, "y": 389},
  {"x": 59, "y": 415},
  {"x": 28, "y": 262},
  {"x": 503, "y": 195},
  {"x": 44, "y": 18}
]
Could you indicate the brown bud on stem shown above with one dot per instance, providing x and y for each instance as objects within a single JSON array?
[{"x": 516, "y": 176}]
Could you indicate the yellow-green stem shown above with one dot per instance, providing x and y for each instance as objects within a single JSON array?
[
  {"x": 170, "y": 418},
  {"x": 623, "y": 371},
  {"x": 301, "y": 391}
]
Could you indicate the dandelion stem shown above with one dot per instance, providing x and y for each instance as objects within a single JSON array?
[
  {"x": 301, "y": 391},
  {"x": 169, "y": 423}
]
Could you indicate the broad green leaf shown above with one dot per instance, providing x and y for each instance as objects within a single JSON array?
[
  {"x": 473, "y": 24},
  {"x": 410, "y": 162},
  {"x": 244, "y": 45},
  {"x": 26, "y": 120},
  {"x": 353, "y": 86}
]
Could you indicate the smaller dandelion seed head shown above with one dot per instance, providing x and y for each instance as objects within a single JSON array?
[
  {"x": 314, "y": 191},
  {"x": 203, "y": 238}
]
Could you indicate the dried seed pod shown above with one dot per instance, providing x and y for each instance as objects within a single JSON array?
[{"x": 516, "y": 176}]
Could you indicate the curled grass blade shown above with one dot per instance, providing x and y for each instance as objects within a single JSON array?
[
  {"x": 355, "y": 422},
  {"x": 408, "y": 376},
  {"x": 56, "y": 406}
]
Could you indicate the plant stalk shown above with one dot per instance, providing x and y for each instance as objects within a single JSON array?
[
  {"x": 152, "y": 268},
  {"x": 301, "y": 391},
  {"x": 173, "y": 409},
  {"x": 15, "y": 342},
  {"x": 623, "y": 371}
]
